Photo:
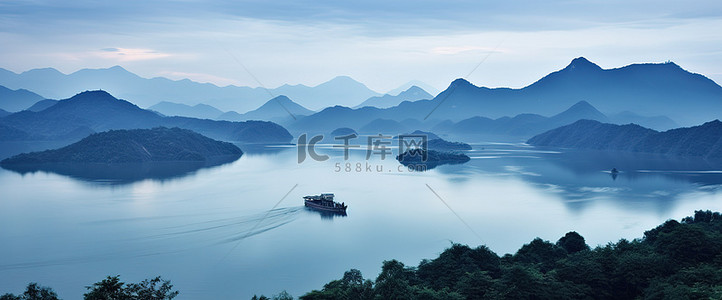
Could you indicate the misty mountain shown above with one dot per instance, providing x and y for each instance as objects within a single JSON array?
[
  {"x": 146, "y": 92},
  {"x": 200, "y": 111},
  {"x": 4, "y": 112},
  {"x": 341, "y": 90},
  {"x": 656, "y": 89},
  {"x": 18, "y": 99},
  {"x": 412, "y": 94},
  {"x": 9, "y": 133},
  {"x": 95, "y": 111},
  {"x": 429, "y": 135},
  {"x": 280, "y": 109},
  {"x": 426, "y": 87},
  {"x": 334, "y": 117},
  {"x": 654, "y": 122},
  {"x": 522, "y": 124},
  {"x": 42, "y": 105},
  {"x": 699, "y": 141},
  {"x": 383, "y": 126}
]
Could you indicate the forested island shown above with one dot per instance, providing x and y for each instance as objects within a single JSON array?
[
  {"x": 131, "y": 146},
  {"x": 415, "y": 158}
]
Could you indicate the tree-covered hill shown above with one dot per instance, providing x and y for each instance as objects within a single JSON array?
[
  {"x": 137, "y": 145},
  {"x": 676, "y": 260}
]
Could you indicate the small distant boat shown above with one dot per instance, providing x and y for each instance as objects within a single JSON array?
[{"x": 324, "y": 202}]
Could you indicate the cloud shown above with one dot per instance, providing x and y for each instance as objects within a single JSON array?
[
  {"x": 199, "y": 77},
  {"x": 130, "y": 54},
  {"x": 381, "y": 43},
  {"x": 450, "y": 50}
]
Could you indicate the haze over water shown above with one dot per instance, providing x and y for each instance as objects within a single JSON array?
[{"x": 223, "y": 232}]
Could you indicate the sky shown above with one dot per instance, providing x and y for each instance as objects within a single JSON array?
[{"x": 383, "y": 44}]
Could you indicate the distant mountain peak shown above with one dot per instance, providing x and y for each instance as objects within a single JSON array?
[
  {"x": 96, "y": 95},
  {"x": 580, "y": 110},
  {"x": 343, "y": 79},
  {"x": 45, "y": 71},
  {"x": 282, "y": 98},
  {"x": 713, "y": 123},
  {"x": 461, "y": 82},
  {"x": 415, "y": 91},
  {"x": 583, "y": 64},
  {"x": 412, "y": 89},
  {"x": 582, "y": 105},
  {"x": 118, "y": 68}
]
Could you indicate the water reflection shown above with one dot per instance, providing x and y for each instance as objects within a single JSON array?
[
  {"x": 213, "y": 229},
  {"x": 582, "y": 178},
  {"x": 122, "y": 173},
  {"x": 264, "y": 149},
  {"x": 326, "y": 215}
]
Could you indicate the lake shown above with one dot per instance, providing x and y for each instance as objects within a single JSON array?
[{"x": 236, "y": 229}]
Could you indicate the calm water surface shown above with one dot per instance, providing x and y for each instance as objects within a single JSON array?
[{"x": 227, "y": 232}]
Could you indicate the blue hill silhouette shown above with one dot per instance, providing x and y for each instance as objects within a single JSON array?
[
  {"x": 145, "y": 92},
  {"x": 95, "y": 111},
  {"x": 17, "y": 100},
  {"x": 655, "y": 89},
  {"x": 280, "y": 109},
  {"x": 412, "y": 94},
  {"x": 698, "y": 141}
]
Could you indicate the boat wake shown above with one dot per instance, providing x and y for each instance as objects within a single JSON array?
[
  {"x": 168, "y": 240},
  {"x": 233, "y": 229}
]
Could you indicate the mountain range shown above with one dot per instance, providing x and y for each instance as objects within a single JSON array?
[
  {"x": 426, "y": 87},
  {"x": 413, "y": 93},
  {"x": 372, "y": 120},
  {"x": 663, "y": 90},
  {"x": 200, "y": 111},
  {"x": 280, "y": 109},
  {"x": 652, "y": 89},
  {"x": 523, "y": 124},
  {"x": 698, "y": 141},
  {"x": 17, "y": 100},
  {"x": 145, "y": 92},
  {"x": 96, "y": 111}
]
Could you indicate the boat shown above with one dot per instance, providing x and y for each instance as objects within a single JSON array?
[{"x": 324, "y": 202}]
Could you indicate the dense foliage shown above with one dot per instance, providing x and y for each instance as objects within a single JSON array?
[
  {"x": 676, "y": 260},
  {"x": 137, "y": 145},
  {"x": 110, "y": 288}
]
